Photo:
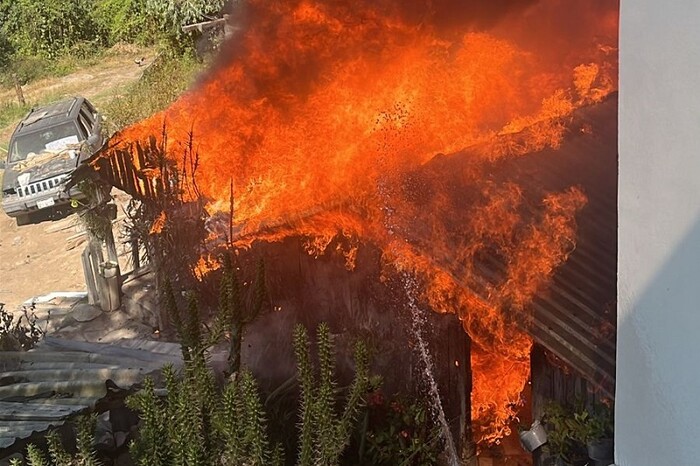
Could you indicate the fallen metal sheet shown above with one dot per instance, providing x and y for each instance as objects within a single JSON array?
[{"x": 42, "y": 388}]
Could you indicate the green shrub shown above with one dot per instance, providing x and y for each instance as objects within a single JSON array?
[
  {"x": 563, "y": 431},
  {"x": 49, "y": 28},
  {"x": 399, "y": 431},
  {"x": 6, "y": 49},
  {"x": 18, "y": 334},
  {"x": 125, "y": 21},
  {"x": 26, "y": 69}
]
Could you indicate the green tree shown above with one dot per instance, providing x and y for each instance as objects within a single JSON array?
[
  {"x": 125, "y": 21},
  {"x": 171, "y": 15},
  {"x": 6, "y": 49},
  {"x": 49, "y": 28}
]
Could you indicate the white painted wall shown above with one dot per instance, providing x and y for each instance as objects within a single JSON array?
[{"x": 658, "y": 362}]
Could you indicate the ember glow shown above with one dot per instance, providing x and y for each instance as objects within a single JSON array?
[{"x": 327, "y": 117}]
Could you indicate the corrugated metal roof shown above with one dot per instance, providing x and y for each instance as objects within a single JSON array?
[
  {"x": 43, "y": 387},
  {"x": 576, "y": 317}
]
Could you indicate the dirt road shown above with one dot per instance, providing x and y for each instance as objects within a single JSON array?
[{"x": 37, "y": 259}]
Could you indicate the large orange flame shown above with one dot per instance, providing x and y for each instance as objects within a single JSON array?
[{"x": 324, "y": 114}]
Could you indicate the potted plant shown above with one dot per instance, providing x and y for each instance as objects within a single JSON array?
[
  {"x": 563, "y": 430},
  {"x": 595, "y": 427}
]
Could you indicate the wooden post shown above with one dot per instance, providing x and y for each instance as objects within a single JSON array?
[
  {"x": 460, "y": 364},
  {"x": 135, "y": 256},
  {"x": 89, "y": 272},
  {"x": 111, "y": 246},
  {"x": 95, "y": 256},
  {"x": 18, "y": 89}
]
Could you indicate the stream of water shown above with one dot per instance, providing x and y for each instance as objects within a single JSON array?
[{"x": 417, "y": 324}]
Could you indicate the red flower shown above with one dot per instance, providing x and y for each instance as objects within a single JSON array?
[{"x": 375, "y": 398}]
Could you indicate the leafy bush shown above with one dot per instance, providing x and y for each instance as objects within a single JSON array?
[
  {"x": 563, "y": 432},
  {"x": 18, "y": 334},
  {"x": 25, "y": 69},
  {"x": 593, "y": 423},
  {"x": 6, "y": 49},
  {"x": 125, "y": 21},
  {"x": 399, "y": 431},
  {"x": 48, "y": 28}
]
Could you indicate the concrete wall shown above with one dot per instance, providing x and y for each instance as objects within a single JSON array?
[{"x": 658, "y": 364}]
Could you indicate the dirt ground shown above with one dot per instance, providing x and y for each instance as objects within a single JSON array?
[{"x": 43, "y": 258}]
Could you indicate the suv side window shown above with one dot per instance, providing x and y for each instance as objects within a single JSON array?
[
  {"x": 84, "y": 127},
  {"x": 90, "y": 110},
  {"x": 86, "y": 121}
]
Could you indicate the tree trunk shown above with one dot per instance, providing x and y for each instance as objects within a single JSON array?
[{"x": 18, "y": 89}]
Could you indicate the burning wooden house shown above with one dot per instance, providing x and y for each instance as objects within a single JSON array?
[{"x": 383, "y": 172}]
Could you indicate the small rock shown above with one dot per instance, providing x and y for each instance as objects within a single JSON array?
[
  {"x": 104, "y": 438},
  {"x": 85, "y": 312},
  {"x": 120, "y": 438}
]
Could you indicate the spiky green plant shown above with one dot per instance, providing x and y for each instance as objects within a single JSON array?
[
  {"x": 197, "y": 424},
  {"x": 306, "y": 398},
  {"x": 254, "y": 423},
  {"x": 238, "y": 309},
  {"x": 187, "y": 323},
  {"x": 57, "y": 453},
  {"x": 150, "y": 449},
  {"x": 85, "y": 440},
  {"x": 243, "y": 425},
  {"x": 86, "y": 455},
  {"x": 35, "y": 457},
  {"x": 324, "y": 433}
]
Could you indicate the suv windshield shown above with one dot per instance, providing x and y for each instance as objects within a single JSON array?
[{"x": 54, "y": 139}]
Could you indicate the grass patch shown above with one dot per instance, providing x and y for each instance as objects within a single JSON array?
[
  {"x": 161, "y": 84},
  {"x": 31, "y": 69},
  {"x": 11, "y": 112}
]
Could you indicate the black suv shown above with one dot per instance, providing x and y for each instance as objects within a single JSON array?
[{"x": 45, "y": 148}]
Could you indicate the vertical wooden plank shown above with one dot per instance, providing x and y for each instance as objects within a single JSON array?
[
  {"x": 89, "y": 276},
  {"x": 542, "y": 390}
]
